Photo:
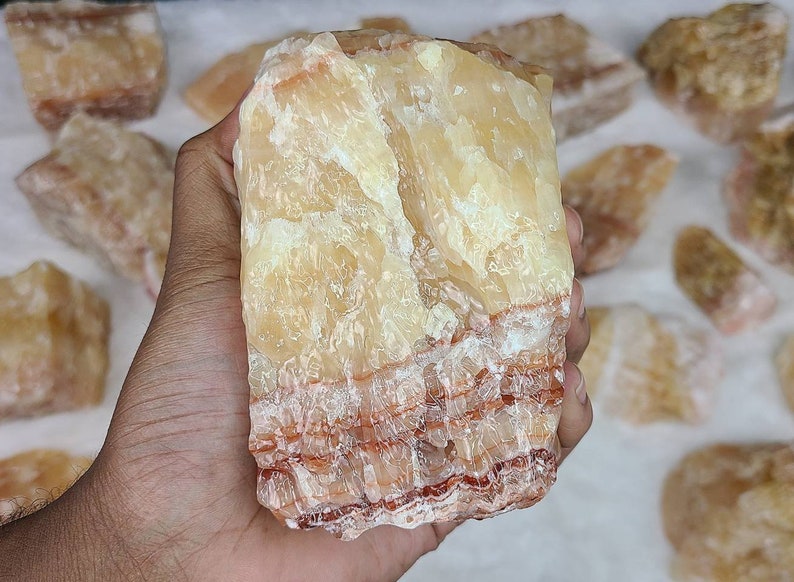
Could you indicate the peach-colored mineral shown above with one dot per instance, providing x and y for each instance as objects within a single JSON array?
[
  {"x": 53, "y": 343},
  {"x": 721, "y": 71},
  {"x": 784, "y": 361},
  {"x": 760, "y": 191},
  {"x": 107, "y": 191},
  {"x": 389, "y": 23},
  {"x": 718, "y": 281},
  {"x": 406, "y": 280},
  {"x": 33, "y": 478},
  {"x": 593, "y": 82},
  {"x": 108, "y": 60},
  {"x": 728, "y": 512},
  {"x": 644, "y": 368},
  {"x": 614, "y": 194},
  {"x": 217, "y": 90}
]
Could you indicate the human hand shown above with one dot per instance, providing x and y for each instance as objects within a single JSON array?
[{"x": 172, "y": 494}]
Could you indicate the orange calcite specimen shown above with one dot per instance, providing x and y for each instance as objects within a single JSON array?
[
  {"x": 389, "y": 23},
  {"x": 215, "y": 92},
  {"x": 760, "y": 191},
  {"x": 728, "y": 512},
  {"x": 643, "y": 368},
  {"x": 108, "y": 60},
  {"x": 53, "y": 343},
  {"x": 784, "y": 362},
  {"x": 614, "y": 195},
  {"x": 36, "y": 477},
  {"x": 716, "y": 279},
  {"x": 406, "y": 280},
  {"x": 108, "y": 191},
  {"x": 721, "y": 71},
  {"x": 592, "y": 81}
]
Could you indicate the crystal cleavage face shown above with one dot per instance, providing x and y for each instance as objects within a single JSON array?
[{"x": 406, "y": 278}]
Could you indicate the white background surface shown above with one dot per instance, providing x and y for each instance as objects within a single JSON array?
[{"x": 601, "y": 521}]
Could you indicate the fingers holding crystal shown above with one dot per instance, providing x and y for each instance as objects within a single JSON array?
[{"x": 577, "y": 413}]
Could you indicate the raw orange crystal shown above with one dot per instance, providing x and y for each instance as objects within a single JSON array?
[
  {"x": 389, "y": 23},
  {"x": 108, "y": 191},
  {"x": 716, "y": 279},
  {"x": 784, "y": 361},
  {"x": 728, "y": 512},
  {"x": 108, "y": 60},
  {"x": 760, "y": 191},
  {"x": 614, "y": 194},
  {"x": 53, "y": 343},
  {"x": 592, "y": 81},
  {"x": 644, "y": 368},
  {"x": 217, "y": 90},
  {"x": 33, "y": 478},
  {"x": 722, "y": 71},
  {"x": 406, "y": 280}
]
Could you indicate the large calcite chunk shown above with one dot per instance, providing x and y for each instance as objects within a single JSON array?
[
  {"x": 406, "y": 280},
  {"x": 53, "y": 343},
  {"x": 760, "y": 191},
  {"x": 108, "y": 60},
  {"x": 107, "y": 191},
  {"x": 784, "y": 362},
  {"x": 614, "y": 194},
  {"x": 716, "y": 279},
  {"x": 644, "y": 368},
  {"x": 217, "y": 90},
  {"x": 728, "y": 512},
  {"x": 33, "y": 478},
  {"x": 721, "y": 71},
  {"x": 593, "y": 82}
]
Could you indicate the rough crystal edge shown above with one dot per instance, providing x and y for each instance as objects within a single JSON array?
[{"x": 536, "y": 471}]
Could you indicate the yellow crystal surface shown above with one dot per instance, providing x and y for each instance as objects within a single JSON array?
[
  {"x": 406, "y": 277},
  {"x": 32, "y": 478},
  {"x": 107, "y": 60},
  {"x": 108, "y": 191},
  {"x": 727, "y": 511},
  {"x": 53, "y": 343},
  {"x": 722, "y": 70},
  {"x": 644, "y": 368}
]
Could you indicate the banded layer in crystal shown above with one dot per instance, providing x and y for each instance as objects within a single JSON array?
[
  {"x": 760, "y": 191},
  {"x": 53, "y": 343},
  {"x": 721, "y": 71},
  {"x": 31, "y": 479},
  {"x": 593, "y": 82},
  {"x": 645, "y": 368},
  {"x": 107, "y": 191},
  {"x": 728, "y": 512},
  {"x": 614, "y": 193},
  {"x": 406, "y": 280},
  {"x": 107, "y": 60}
]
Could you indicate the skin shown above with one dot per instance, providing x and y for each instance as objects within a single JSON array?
[{"x": 171, "y": 494}]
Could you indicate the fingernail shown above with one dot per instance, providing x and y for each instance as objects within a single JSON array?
[
  {"x": 579, "y": 219},
  {"x": 581, "y": 387},
  {"x": 582, "y": 308}
]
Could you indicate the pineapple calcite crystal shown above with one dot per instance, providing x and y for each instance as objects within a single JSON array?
[
  {"x": 722, "y": 71},
  {"x": 406, "y": 280},
  {"x": 728, "y": 512}
]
